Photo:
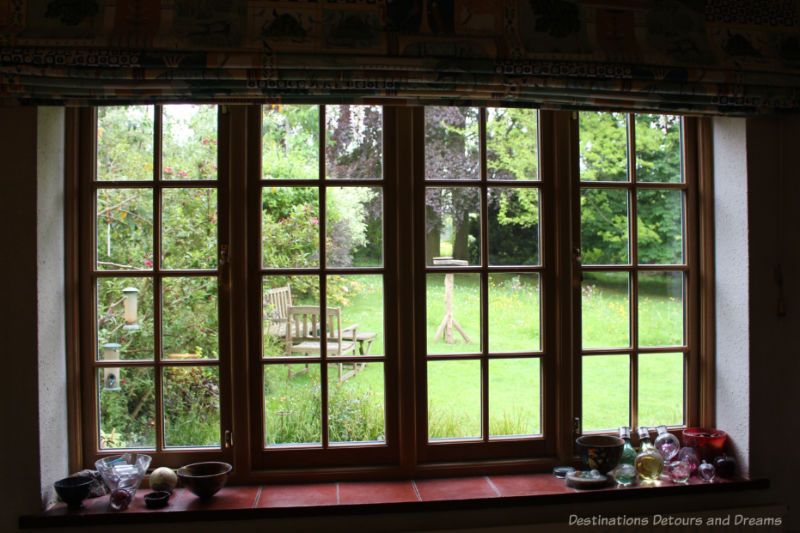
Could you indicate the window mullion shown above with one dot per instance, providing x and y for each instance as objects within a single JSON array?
[
  {"x": 633, "y": 281},
  {"x": 158, "y": 125}
]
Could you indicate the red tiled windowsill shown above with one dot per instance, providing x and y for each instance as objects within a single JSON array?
[{"x": 243, "y": 502}]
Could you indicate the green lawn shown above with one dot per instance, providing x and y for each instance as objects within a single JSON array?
[{"x": 514, "y": 384}]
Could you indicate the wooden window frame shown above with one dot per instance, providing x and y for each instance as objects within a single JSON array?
[{"x": 407, "y": 451}]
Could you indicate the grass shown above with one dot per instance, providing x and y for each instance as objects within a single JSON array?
[{"x": 514, "y": 383}]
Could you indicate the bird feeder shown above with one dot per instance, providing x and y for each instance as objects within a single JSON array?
[
  {"x": 131, "y": 304},
  {"x": 111, "y": 375}
]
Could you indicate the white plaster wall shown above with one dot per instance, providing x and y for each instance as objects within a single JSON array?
[
  {"x": 732, "y": 284},
  {"x": 50, "y": 299}
]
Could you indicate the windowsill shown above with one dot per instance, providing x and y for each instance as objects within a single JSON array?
[{"x": 268, "y": 501}]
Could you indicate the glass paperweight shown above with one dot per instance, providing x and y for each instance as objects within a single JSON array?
[
  {"x": 690, "y": 456},
  {"x": 624, "y": 474},
  {"x": 706, "y": 471},
  {"x": 667, "y": 444},
  {"x": 122, "y": 475},
  {"x": 678, "y": 471}
]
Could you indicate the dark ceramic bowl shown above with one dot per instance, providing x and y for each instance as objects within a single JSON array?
[
  {"x": 708, "y": 442},
  {"x": 73, "y": 490},
  {"x": 204, "y": 479},
  {"x": 600, "y": 452},
  {"x": 156, "y": 499}
]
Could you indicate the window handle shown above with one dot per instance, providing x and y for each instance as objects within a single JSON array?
[{"x": 228, "y": 438}]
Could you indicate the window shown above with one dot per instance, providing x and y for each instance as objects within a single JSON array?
[{"x": 308, "y": 286}]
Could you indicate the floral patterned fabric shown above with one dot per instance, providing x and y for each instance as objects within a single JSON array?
[{"x": 717, "y": 56}]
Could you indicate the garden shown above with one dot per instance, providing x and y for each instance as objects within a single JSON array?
[{"x": 354, "y": 238}]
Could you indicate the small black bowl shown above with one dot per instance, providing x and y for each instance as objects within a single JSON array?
[
  {"x": 156, "y": 499},
  {"x": 73, "y": 490},
  {"x": 204, "y": 479}
]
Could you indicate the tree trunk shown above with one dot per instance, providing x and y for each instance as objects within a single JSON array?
[
  {"x": 461, "y": 237},
  {"x": 432, "y": 235}
]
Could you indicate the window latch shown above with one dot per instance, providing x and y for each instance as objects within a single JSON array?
[
  {"x": 223, "y": 255},
  {"x": 228, "y": 438},
  {"x": 576, "y": 426}
]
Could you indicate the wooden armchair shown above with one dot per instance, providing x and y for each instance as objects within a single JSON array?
[
  {"x": 276, "y": 306},
  {"x": 306, "y": 331}
]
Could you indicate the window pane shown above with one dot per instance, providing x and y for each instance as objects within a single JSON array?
[
  {"x": 661, "y": 389},
  {"x": 454, "y": 399},
  {"x": 605, "y": 310},
  {"x": 125, "y": 143},
  {"x": 605, "y": 391},
  {"x": 124, "y": 229},
  {"x": 661, "y": 311},
  {"x": 514, "y": 397},
  {"x": 604, "y": 226},
  {"x": 452, "y": 143},
  {"x": 189, "y": 228},
  {"x": 354, "y": 226},
  {"x": 127, "y": 407},
  {"x": 658, "y": 148},
  {"x": 125, "y": 318},
  {"x": 513, "y": 226},
  {"x": 660, "y": 227},
  {"x": 290, "y": 227},
  {"x": 514, "y": 316},
  {"x": 191, "y": 318},
  {"x": 603, "y": 146},
  {"x": 190, "y": 142},
  {"x": 360, "y": 300},
  {"x": 453, "y": 311},
  {"x": 356, "y": 403},
  {"x": 453, "y": 224},
  {"x": 354, "y": 142},
  {"x": 281, "y": 293},
  {"x": 292, "y": 404},
  {"x": 191, "y": 406},
  {"x": 511, "y": 144},
  {"x": 290, "y": 142}
]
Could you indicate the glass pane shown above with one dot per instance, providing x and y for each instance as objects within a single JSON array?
[
  {"x": 354, "y": 147},
  {"x": 191, "y": 406},
  {"x": 658, "y": 148},
  {"x": 190, "y": 317},
  {"x": 452, "y": 143},
  {"x": 603, "y": 146},
  {"x": 661, "y": 389},
  {"x": 190, "y": 142},
  {"x": 606, "y": 392},
  {"x": 453, "y": 225},
  {"x": 513, "y": 226},
  {"x": 512, "y": 144},
  {"x": 280, "y": 294},
  {"x": 356, "y": 410},
  {"x": 290, "y": 227},
  {"x": 660, "y": 227},
  {"x": 125, "y": 318},
  {"x": 514, "y": 316},
  {"x": 360, "y": 301},
  {"x": 292, "y": 404},
  {"x": 290, "y": 142},
  {"x": 124, "y": 229},
  {"x": 453, "y": 312},
  {"x": 189, "y": 228},
  {"x": 605, "y": 310},
  {"x": 127, "y": 407},
  {"x": 604, "y": 226},
  {"x": 514, "y": 397},
  {"x": 661, "y": 309},
  {"x": 454, "y": 399},
  {"x": 125, "y": 143},
  {"x": 354, "y": 226}
]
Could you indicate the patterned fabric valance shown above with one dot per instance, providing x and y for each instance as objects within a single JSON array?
[{"x": 717, "y": 56}]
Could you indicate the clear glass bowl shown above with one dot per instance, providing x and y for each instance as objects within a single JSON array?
[{"x": 122, "y": 475}]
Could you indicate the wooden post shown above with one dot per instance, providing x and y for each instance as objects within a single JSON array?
[{"x": 449, "y": 321}]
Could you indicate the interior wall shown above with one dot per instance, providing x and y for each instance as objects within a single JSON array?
[
  {"x": 731, "y": 284},
  {"x": 19, "y": 411},
  {"x": 50, "y": 307}
]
